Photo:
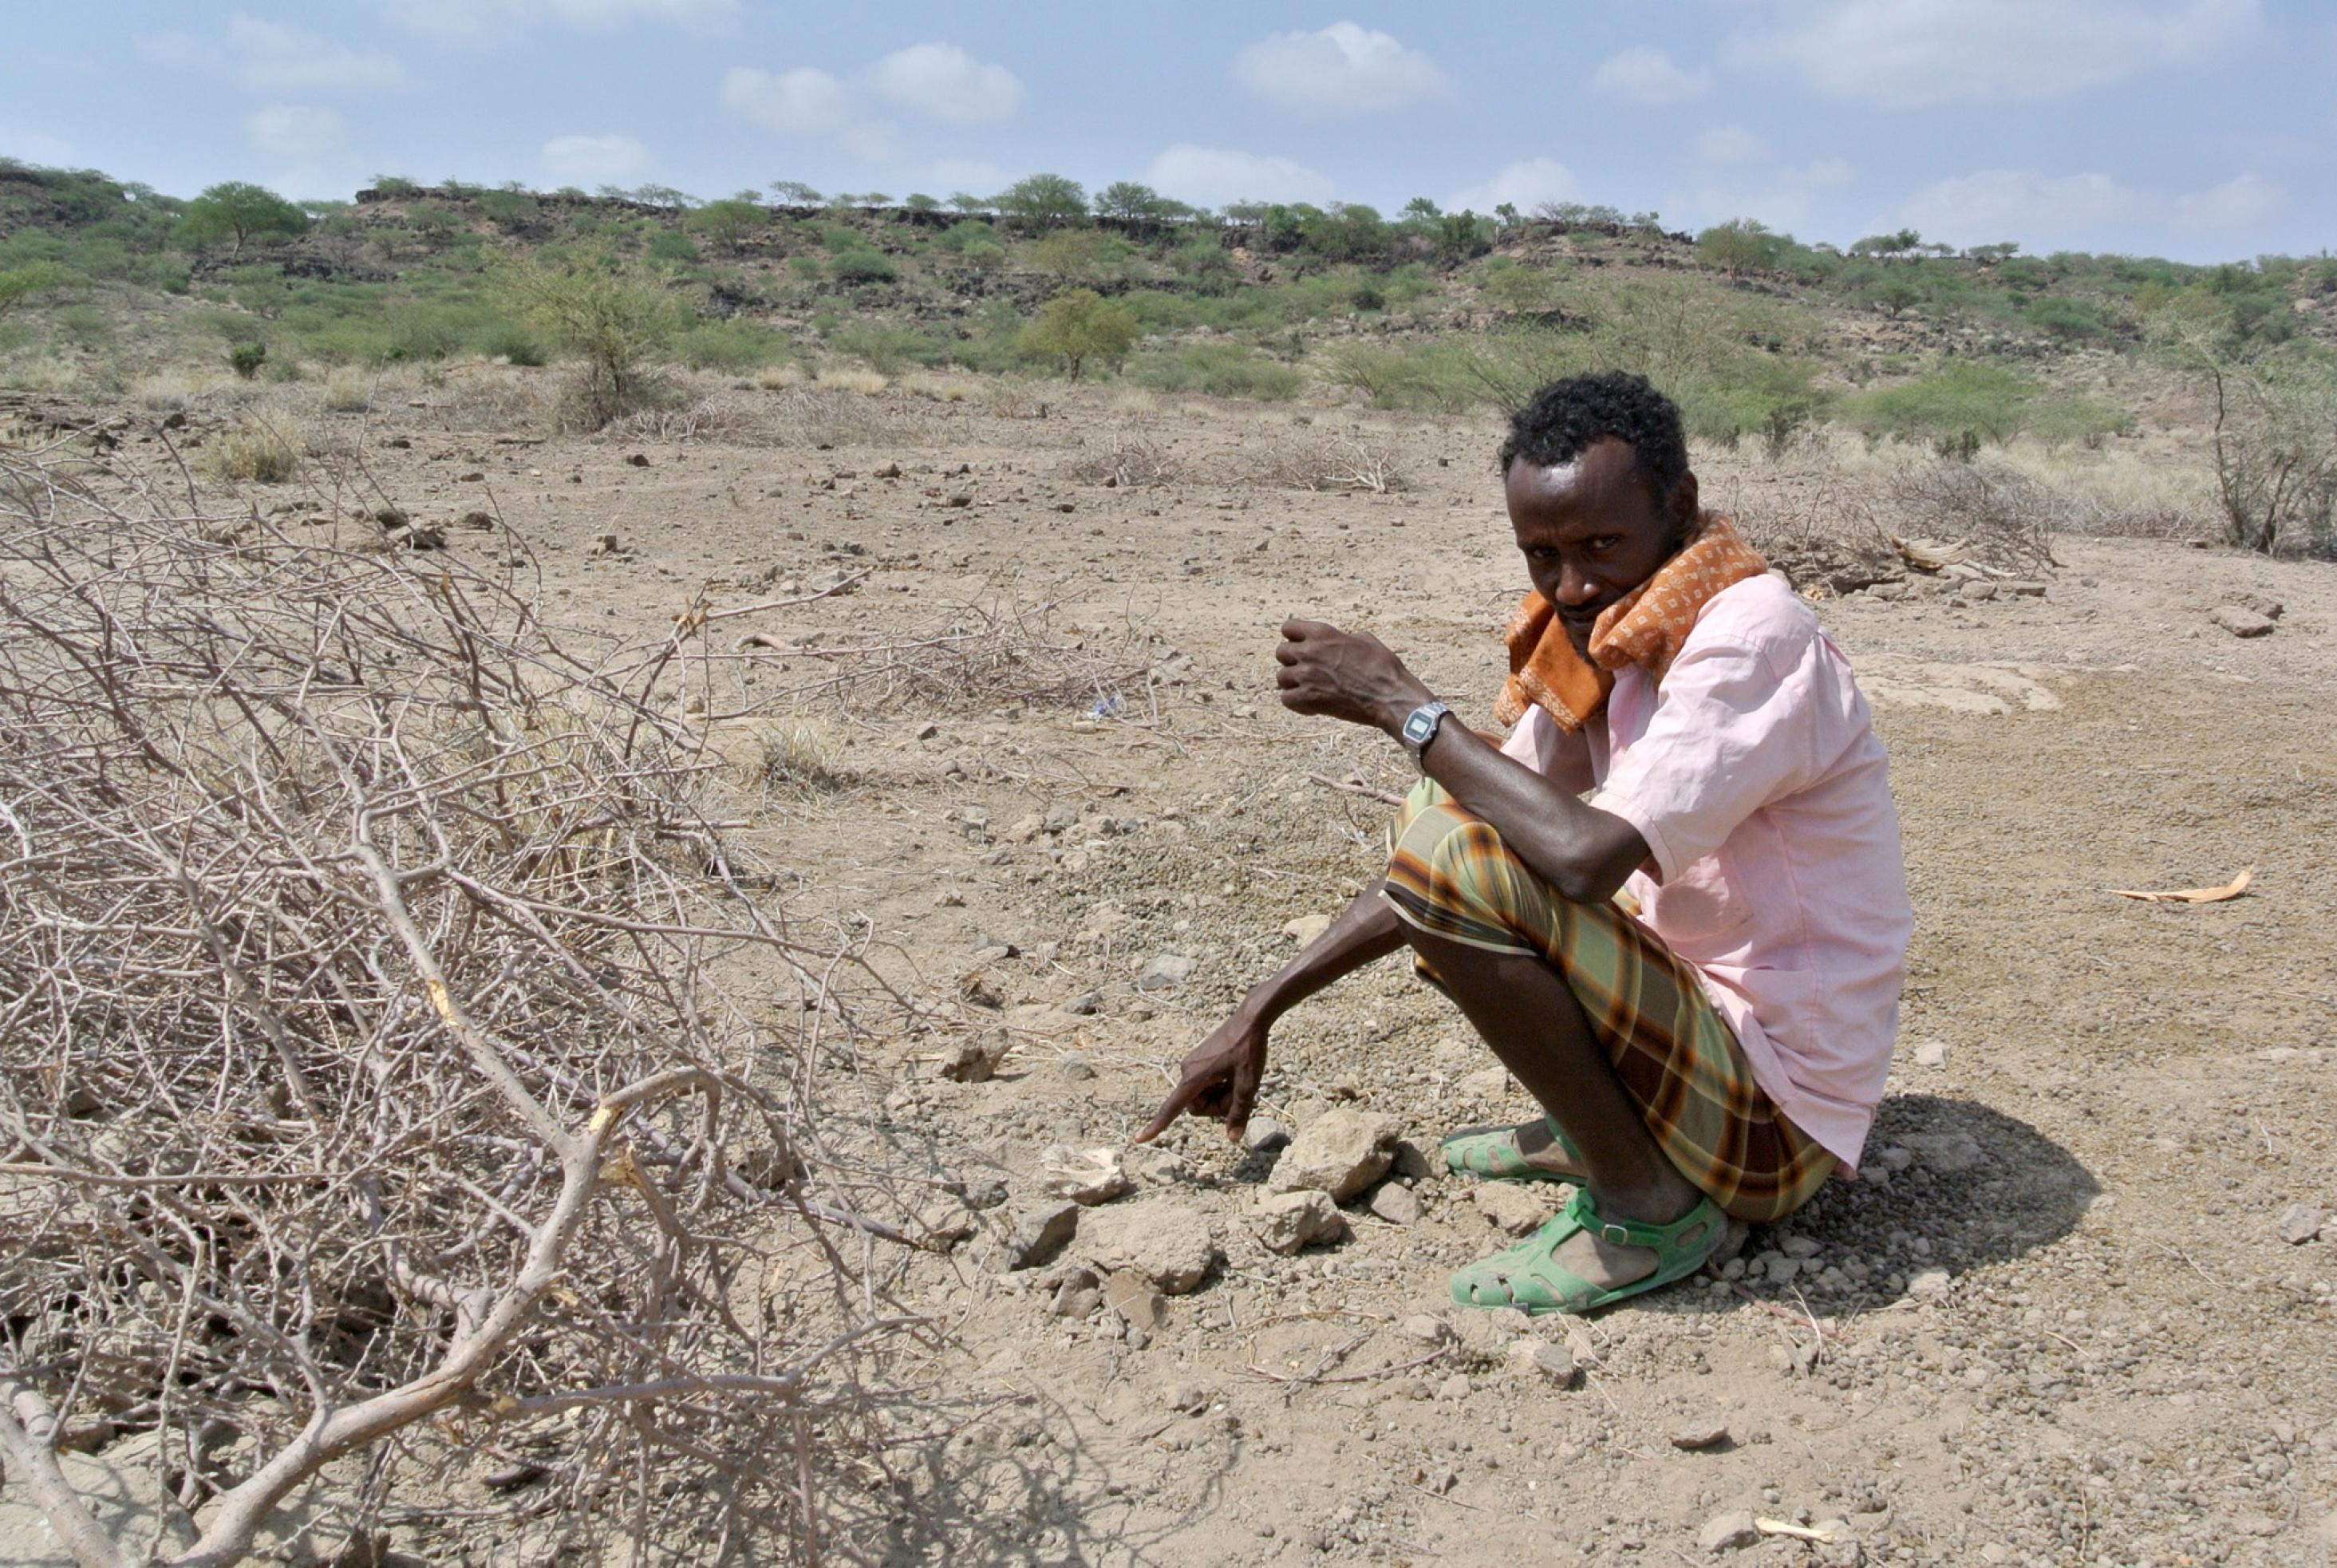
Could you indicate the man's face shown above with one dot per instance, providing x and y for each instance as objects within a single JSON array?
[{"x": 1591, "y": 531}]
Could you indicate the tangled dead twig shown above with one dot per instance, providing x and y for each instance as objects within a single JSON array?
[
  {"x": 1311, "y": 461},
  {"x": 1126, "y": 461},
  {"x": 373, "y": 1048},
  {"x": 986, "y": 656}
]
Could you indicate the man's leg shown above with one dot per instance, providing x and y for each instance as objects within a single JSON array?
[{"x": 1535, "y": 1023}]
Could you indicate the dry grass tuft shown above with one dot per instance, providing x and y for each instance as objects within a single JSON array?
[
  {"x": 255, "y": 452},
  {"x": 851, "y": 379}
]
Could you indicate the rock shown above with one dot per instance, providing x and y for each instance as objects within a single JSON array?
[
  {"x": 1931, "y": 1053},
  {"x": 887, "y": 471},
  {"x": 1079, "y": 1294},
  {"x": 1554, "y": 1363},
  {"x": 1288, "y": 1223},
  {"x": 2020, "y": 589},
  {"x": 1341, "y": 1152},
  {"x": 477, "y": 522},
  {"x": 1454, "y": 1388},
  {"x": 1061, "y": 819},
  {"x": 1728, "y": 1531},
  {"x": 1264, "y": 1135},
  {"x": 1138, "y": 1303},
  {"x": 2300, "y": 1223},
  {"x": 1156, "y": 1239},
  {"x": 1186, "y": 1398},
  {"x": 1702, "y": 1436},
  {"x": 2264, "y": 605},
  {"x": 1023, "y": 829},
  {"x": 1426, "y": 1328},
  {"x": 1034, "y": 1234},
  {"x": 1947, "y": 1153},
  {"x": 1157, "y": 1167},
  {"x": 1412, "y": 1163},
  {"x": 1931, "y": 1285},
  {"x": 1485, "y": 1334},
  {"x": 1075, "y": 1066},
  {"x": 1166, "y": 971},
  {"x": 1397, "y": 1204},
  {"x": 975, "y": 1061},
  {"x": 1980, "y": 589},
  {"x": 2241, "y": 621},
  {"x": 1514, "y": 1209},
  {"x": 1086, "y": 1004},
  {"x": 604, "y": 545},
  {"x": 1306, "y": 929},
  {"x": 1086, "y": 1176},
  {"x": 1485, "y": 1083}
]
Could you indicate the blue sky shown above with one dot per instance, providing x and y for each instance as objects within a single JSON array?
[{"x": 2199, "y": 129}]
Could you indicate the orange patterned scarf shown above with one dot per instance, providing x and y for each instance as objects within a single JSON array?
[{"x": 1645, "y": 627}]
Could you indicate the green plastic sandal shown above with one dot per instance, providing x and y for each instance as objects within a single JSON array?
[
  {"x": 1492, "y": 1153},
  {"x": 1528, "y": 1276}
]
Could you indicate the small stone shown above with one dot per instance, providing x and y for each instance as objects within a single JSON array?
[
  {"x": 1075, "y": 1066},
  {"x": 1931, "y": 1053},
  {"x": 1138, "y": 1303},
  {"x": 1157, "y": 1167},
  {"x": 1442, "y": 1481},
  {"x": 1948, "y": 1153},
  {"x": 1157, "y": 1238},
  {"x": 974, "y": 1060},
  {"x": 1306, "y": 929},
  {"x": 2019, "y": 588},
  {"x": 1188, "y": 1398},
  {"x": 1034, "y": 1235},
  {"x": 1264, "y": 1135},
  {"x": 1061, "y": 819},
  {"x": 1780, "y": 1270},
  {"x": 1166, "y": 971},
  {"x": 1086, "y": 1004},
  {"x": 1454, "y": 1388},
  {"x": 1728, "y": 1531},
  {"x": 1024, "y": 828},
  {"x": 1397, "y": 1204},
  {"x": 2300, "y": 1223},
  {"x": 604, "y": 545},
  {"x": 2264, "y": 605},
  {"x": 1340, "y": 1152},
  {"x": 1798, "y": 1246},
  {"x": 1931, "y": 1285},
  {"x": 1554, "y": 1363},
  {"x": 1694, "y": 1439},
  {"x": 1426, "y": 1328},
  {"x": 1412, "y": 1161},
  {"x": 1980, "y": 590},
  {"x": 2241, "y": 621},
  {"x": 1086, "y": 1176},
  {"x": 1288, "y": 1223},
  {"x": 1514, "y": 1209},
  {"x": 1485, "y": 1083}
]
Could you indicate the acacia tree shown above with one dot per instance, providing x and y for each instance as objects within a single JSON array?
[
  {"x": 1075, "y": 326},
  {"x": 1127, "y": 199},
  {"x": 612, "y": 315},
  {"x": 239, "y": 211},
  {"x": 1738, "y": 245},
  {"x": 728, "y": 222},
  {"x": 1038, "y": 199}
]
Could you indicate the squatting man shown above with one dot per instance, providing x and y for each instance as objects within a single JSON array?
[{"x": 1673, "y": 902}]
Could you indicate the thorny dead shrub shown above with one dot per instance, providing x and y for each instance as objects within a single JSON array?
[
  {"x": 2007, "y": 518},
  {"x": 1311, "y": 461},
  {"x": 1126, "y": 461},
  {"x": 376, "y": 1053}
]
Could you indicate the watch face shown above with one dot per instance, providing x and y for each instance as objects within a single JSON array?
[{"x": 1418, "y": 727}]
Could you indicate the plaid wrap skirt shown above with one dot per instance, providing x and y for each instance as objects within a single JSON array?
[{"x": 1450, "y": 874}]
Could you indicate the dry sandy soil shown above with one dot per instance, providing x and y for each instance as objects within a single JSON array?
[{"x": 2058, "y": 1322}]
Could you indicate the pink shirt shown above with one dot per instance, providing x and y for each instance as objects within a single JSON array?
[{"x": 1754, "y": 776}]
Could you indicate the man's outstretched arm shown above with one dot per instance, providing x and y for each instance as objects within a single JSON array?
[{"x": 1220, "y": 1077}]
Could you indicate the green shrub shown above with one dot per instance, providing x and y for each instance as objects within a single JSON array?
[
  {"x": 806, "y": 267},
  {"x": 510, "y": 341},
  {"x": 669, "y": 247},
  {"x": 889, "y": 349},
  {"x": 86, "y": 326},
  {"x": 246, "y": 358},
  {"x": 612, "y": 316},
  {"x": 1965, "y": 403},
  {"x": 966, "y": 232},
  {"x": 863, "y": 266},
  {"x": 2056, "y": 421},
  {"x": 1219, "y": 369},
  {"x": 1076, "y": 327},
  {"x": 736, "y": 346}
]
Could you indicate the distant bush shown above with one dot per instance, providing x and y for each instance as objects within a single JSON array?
[
  {"x": 612, "y": 316},
  {"x": 508, "y": 209},
  {"x": 240, "y": 212},
  {"x": 1219, "y": 369},
  {"x": 806, "y": 267},
  {"x": 1077, "y": 328},
  {"x": 512, "y": 342},
  {"x": 671, "y": 247},
  {"x": 246, "y": 358},
  {"x": 966, "y": 232},
  {"x": 735, "y": 346},
  {"x": 890, "y": 351},
  {"x": 1072, "y": 254},
  {"x": 1961, "y": 406},
  {"x": 1043, "y": 199},
  {"x": 863, "y": 266}
]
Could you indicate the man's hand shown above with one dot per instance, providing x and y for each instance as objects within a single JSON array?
[
  {"x": 1220, "y": 1078},
  {"x": 1349, "y": 675}
]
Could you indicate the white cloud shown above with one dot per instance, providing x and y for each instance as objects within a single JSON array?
[
  {"x": 1343, "y": 68},
  {"x": 1644, "y": 75},
  {"x": 2237, "y": 203},
  {"x": 945, "y": 82},
  {"x": 800, "y": 102},
  {"x": 268, "y": 57},
  {"x": 596, "y": 160},
  {"x": 873, "y": 142},
  {"x": 474, "y": 21},
  {"x": 1213, "y": 176},
  {"x": 1913, "y": 52},
  {"x": 1731, "y": 144},
  {"x": 294, "y": 130},
  {"x": 1525, "y": 184},
  {"x": 1782, "y": 205},
  {"x": 1825, "y": 171},
  {"x": 972, "y": 175},
  {"x": 2018, "y": 204}
]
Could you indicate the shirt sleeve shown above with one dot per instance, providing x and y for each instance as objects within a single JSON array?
[
  {"x": 1558, "y": 755},
  {"x": 1729, "y": 734}
]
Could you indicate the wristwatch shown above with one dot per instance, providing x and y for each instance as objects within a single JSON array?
[{"x": 1420, "y": 728}]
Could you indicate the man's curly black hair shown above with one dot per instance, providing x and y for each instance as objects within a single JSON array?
[{"x": 1558, "y": 422}]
